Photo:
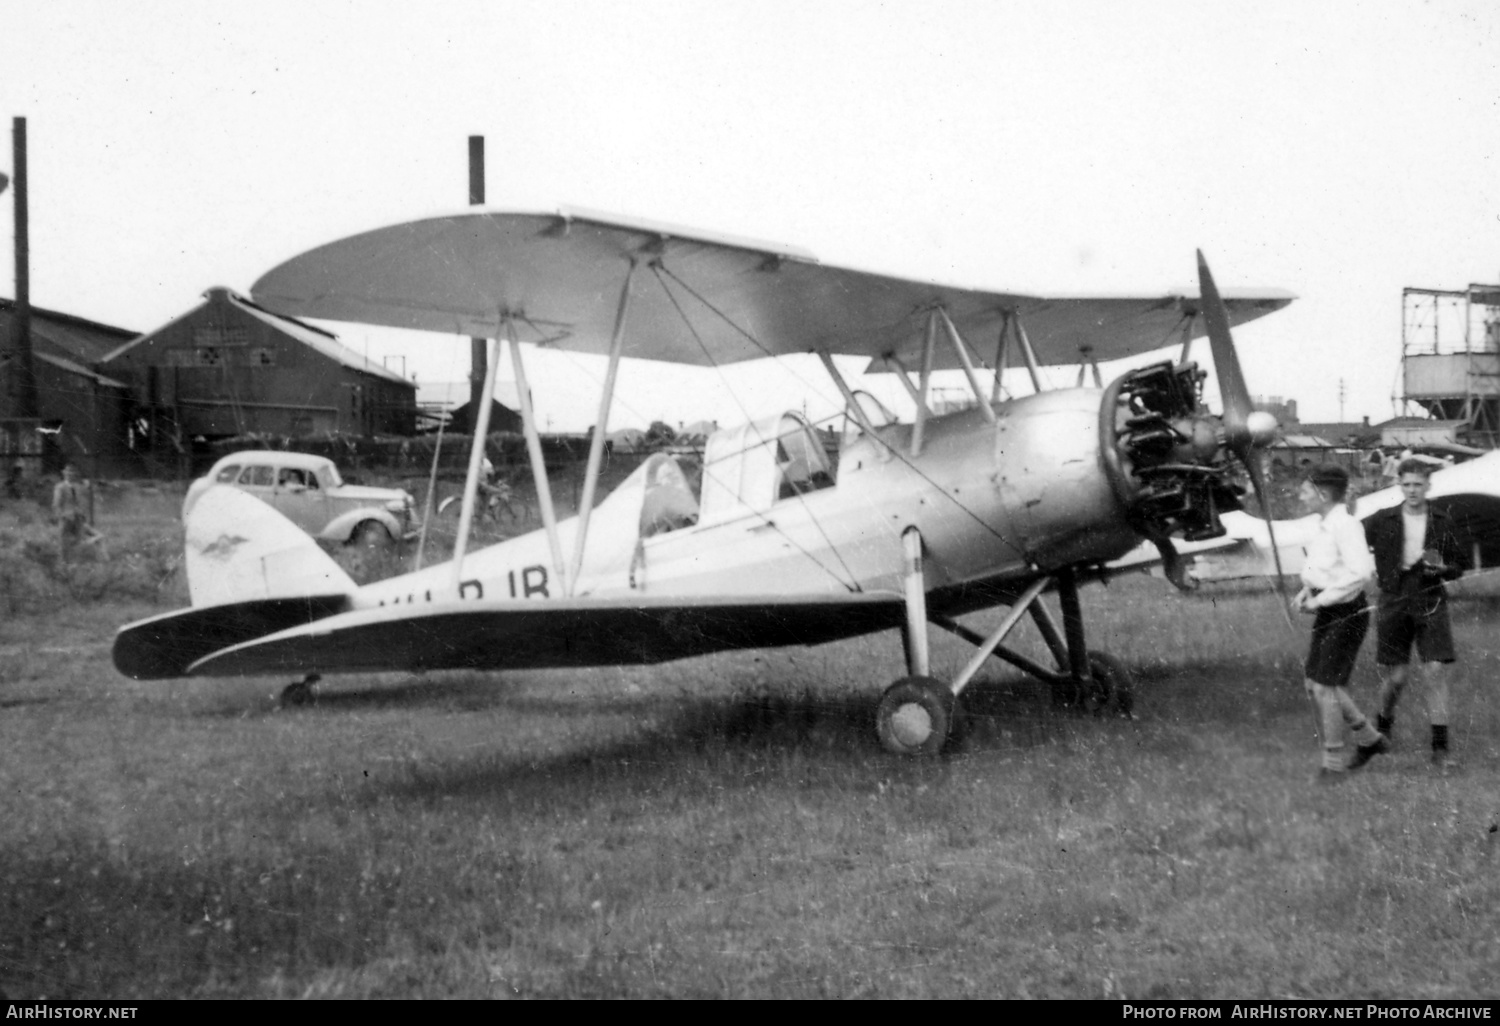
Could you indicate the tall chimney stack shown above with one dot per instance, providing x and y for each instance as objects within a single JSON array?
[
  {"x": 23, "y": 400},
  {"x": 477, "y": 357}
]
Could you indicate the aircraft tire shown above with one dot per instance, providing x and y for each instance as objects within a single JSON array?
[
  {"x": 298, "y": 693},
  {"x": 1111, "y": 681},
  {"x": 916, "y": 716}
]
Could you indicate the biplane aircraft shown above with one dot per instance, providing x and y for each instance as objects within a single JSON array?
[{"x": 906, "y": 525}]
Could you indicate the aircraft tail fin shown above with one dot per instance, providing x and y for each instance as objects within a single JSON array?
[{"x": 238, "y": 549}]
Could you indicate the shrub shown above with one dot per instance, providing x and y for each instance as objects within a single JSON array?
[{"x": 137, "y": 564}]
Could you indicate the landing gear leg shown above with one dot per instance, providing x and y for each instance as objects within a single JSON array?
[
  {"x": 987, "y": 647},
  {"x": 301, "y": 692},
  {"x": 1089, "y": 679},
  {"x": 915, "y": 715},
  {"x": 918, "y": 713},
  {"x": 914, "y": 633},
  {"x": 1079, "y": 675}
]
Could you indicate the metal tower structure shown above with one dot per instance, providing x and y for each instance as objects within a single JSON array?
[{"x": 1450, "y": 359}]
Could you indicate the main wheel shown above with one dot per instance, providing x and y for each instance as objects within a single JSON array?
[
  {"x": 1111, "y": 680},
  {"x": 915, "y": 716}
]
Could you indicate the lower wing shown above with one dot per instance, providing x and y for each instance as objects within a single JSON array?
[{"x": 497, "y": 635}]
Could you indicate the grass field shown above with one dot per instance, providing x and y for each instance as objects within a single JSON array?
[{"x": 725, "y": 826}]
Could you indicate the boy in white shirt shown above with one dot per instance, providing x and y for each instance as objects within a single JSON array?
[{"x": 1334, "y": 574}]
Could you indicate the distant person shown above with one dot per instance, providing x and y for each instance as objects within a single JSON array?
[
  {"x": 68, "y": 511},
  {"x": 492, "y": 494},
  {"x": 496, "y": 492},
  {"x": 1334, "y": 573},
  {"x": 1389, "y": 470},
  {"x": 605, "y": 452},
  {"x": 1417, "y": 548}
]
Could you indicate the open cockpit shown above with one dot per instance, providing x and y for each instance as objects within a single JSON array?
[{"x": 749, "y": 469}]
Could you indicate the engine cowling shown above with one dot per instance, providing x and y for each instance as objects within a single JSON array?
[{"x": 1164, "y": 454}]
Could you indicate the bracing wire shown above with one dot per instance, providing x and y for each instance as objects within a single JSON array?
[
  {"x": 853, "y": 583},
  {"x": 661, "y": 269}
]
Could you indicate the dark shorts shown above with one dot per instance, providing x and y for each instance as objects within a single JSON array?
[
  {"x": 1414, "y": 616},
  {"x": 1337, "y": 633}
]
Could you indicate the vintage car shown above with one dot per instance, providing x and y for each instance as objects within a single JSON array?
[{"x": 308, "y": 491}]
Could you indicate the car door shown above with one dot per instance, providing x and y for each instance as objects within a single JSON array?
[{"x": 298, "y": 500}]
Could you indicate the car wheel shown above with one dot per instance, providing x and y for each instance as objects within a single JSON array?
[{"x": 371, "y": 534}]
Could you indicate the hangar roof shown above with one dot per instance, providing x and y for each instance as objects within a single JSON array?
[
  {"x": 65, "y": 335},
  {"x": 314, "y": 338}
]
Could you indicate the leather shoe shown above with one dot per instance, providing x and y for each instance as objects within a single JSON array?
[{"x": 1364, "y": 753}]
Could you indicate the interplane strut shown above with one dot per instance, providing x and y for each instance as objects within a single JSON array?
[
  {"x": 962, "y": 352},
  {"x": 601, "y": 424},
  {"x": 476, "y": 461},
  {"x": 534, "y": 451}
]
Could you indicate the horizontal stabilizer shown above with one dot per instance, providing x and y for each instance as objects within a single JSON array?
[
  {"x": 241, "y": 550},
  {"x": 166, "y": 646}
]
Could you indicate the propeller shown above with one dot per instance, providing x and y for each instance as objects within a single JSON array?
[{"x": 1246, "y": 430}]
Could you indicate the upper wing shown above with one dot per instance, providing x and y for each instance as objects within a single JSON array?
[
  {"x": 744, "y": 299},
  {"x": 1073, "y": 329}
]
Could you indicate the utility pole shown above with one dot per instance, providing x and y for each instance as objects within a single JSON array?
[
  {"x": 478, "y": 364},
  {"x": 1342, "y": 393}
]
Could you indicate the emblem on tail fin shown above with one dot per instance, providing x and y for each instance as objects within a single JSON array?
[{"x": 223, "y": 547}]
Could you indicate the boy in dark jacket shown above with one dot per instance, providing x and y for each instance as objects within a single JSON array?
[{"x": 1417, "y": 550}]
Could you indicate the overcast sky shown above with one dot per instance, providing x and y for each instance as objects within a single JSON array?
[{"x": 1340, "y": 150}]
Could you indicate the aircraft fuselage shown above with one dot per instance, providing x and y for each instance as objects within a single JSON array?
[{"x": 1023, "y": 495}]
